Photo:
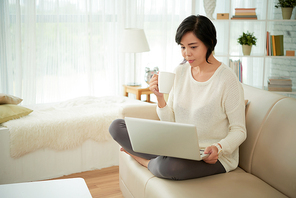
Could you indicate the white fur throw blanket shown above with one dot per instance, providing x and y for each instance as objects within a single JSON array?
[{"x": 65, "y": 125}]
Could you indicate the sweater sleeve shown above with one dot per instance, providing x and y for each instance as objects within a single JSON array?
[{"x": 234, "y": 107}]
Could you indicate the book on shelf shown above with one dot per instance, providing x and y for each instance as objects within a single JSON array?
[
  {"x": 244, "y": 13},
  {"x": 280, "y": 88},
  {"x": 237, "y": 67},
  {"x": 279, "y": 44},
  {"x": 243, "y": 18},
  {"x": 267, "y": 44},
  {"x": 244, "y": 9},
  {"x": 279, "y": 80},
  {"x": 279, "y": 83},
  {"x": 274, "y": 45}
]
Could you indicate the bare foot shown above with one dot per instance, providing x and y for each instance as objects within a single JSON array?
[{"x": 142, "y": 161}]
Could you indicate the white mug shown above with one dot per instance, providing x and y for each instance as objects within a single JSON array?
[{"x": 165, "y": 81}]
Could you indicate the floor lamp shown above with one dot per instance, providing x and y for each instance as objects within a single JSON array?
[{"x": 134, "y": 41}]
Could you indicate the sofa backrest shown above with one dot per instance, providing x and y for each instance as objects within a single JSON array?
[
  {"x": 274, "y": 158},
  {"x": 144, "y": 110},
  {"x": 260, "y": 104},
  {"x": 269, "y": 150}
]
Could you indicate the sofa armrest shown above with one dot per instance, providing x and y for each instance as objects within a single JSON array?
[{"x": 140, "y": 111}]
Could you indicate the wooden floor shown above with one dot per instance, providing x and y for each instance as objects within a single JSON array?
[{"x": 101, "y": 183}]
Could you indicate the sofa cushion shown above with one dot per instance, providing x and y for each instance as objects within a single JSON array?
[
  {"x": 146, "y": 111},
  {"x": 260, "y": 103},
  {"x": 236, "y": 183},
  {"x": 274, "y": 158},
  {"x": 137, "y": 181},
  {"x": 133, "y": 175}
]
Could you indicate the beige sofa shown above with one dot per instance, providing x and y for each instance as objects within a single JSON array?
[{"x": 267, "y": 165}]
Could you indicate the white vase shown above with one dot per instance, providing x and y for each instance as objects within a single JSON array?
[{"x": 209, "y": 6}]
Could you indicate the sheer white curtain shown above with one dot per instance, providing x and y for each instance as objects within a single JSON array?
[
  {"x": 162, "y": 19},
  {"x": 54, "y": 50}
]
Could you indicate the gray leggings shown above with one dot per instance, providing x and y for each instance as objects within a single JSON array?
[{"x": 162, "y": 166}]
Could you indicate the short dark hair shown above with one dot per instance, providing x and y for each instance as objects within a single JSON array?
[{"x": 203, "y": 29}]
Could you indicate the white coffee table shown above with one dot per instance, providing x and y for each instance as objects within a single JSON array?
[{"x": 60, "y": 188}]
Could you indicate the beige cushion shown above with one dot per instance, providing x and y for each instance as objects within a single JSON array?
[
  {"x": 274, "y": 158},
  {"x": 9, "y": 99},
  {"x": 146, "y": 111},
  {"x": 11, "y": 111},
  {"x": 260, "y": 105},
  {"x": 236, "y": 183},
  {"x": 133, "y": 176},
  {"x": 137, "y": 181}
]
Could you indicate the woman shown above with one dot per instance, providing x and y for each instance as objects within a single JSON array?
[{"x": 206, "y": 93}]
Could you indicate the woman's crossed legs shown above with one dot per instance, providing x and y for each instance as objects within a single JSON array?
[{"x": 162, "y": 166}]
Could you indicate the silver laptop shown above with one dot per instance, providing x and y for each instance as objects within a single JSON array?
[{"x": 164, "y": 138}]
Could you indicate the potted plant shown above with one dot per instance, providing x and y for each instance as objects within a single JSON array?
[
  {"x": 247, "y": 40},
  {"x": 287, "y": 7}
]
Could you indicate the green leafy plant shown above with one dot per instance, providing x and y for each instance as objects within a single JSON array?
[
  {"x": 286, "y": 3},
  {"x": 247, "y": 39}
]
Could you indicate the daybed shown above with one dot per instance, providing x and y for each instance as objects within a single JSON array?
[
  {"x": 60, "y": 139},
  {"x": 267, "y": 166}
]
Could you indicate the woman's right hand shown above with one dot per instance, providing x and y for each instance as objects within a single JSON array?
[{"x": 153, "y": 86}]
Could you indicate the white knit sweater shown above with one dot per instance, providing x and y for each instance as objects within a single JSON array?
[{"x": 216, "y": 107}]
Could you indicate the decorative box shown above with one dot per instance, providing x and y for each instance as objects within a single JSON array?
[
  {"x": 290, "y": 53},
  {"x": 222, "y": 15}
]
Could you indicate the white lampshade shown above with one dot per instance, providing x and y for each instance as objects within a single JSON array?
[{"x": 133, "y": 41}]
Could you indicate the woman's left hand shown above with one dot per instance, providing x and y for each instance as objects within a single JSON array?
[{"x": 213, "y": 155}]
